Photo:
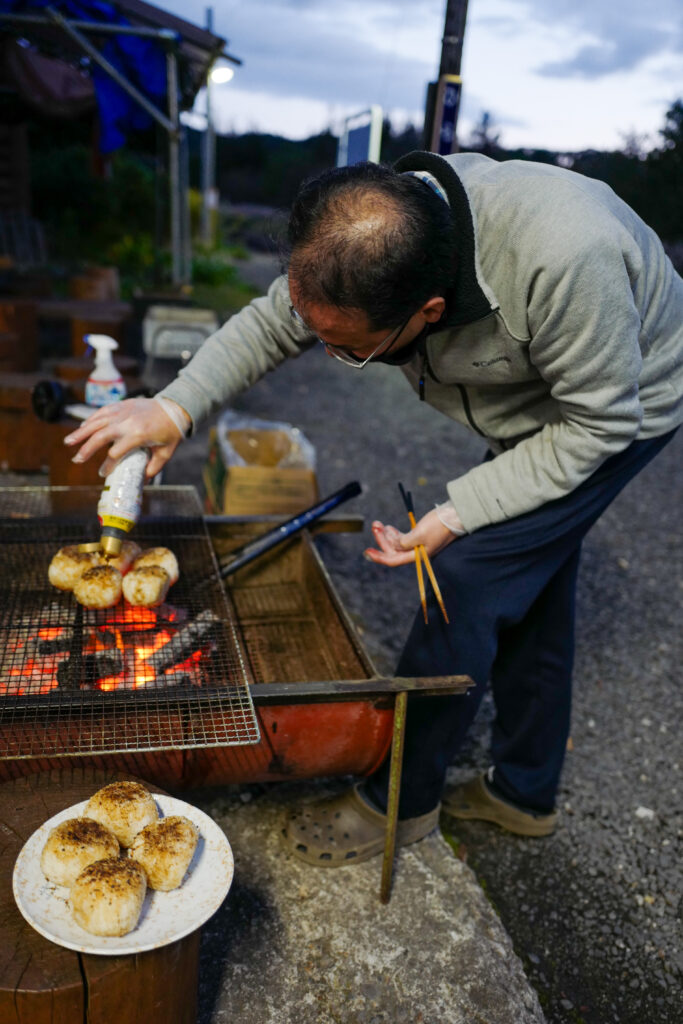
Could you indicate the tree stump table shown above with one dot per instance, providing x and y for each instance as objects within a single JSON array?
[{"x": 44, "y": 983}]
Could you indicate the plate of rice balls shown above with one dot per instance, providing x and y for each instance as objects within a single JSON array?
[{"x": 123, "y": 872}]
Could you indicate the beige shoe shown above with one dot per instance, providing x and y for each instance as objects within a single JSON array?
[
  {"x": 474, "y": 799},
  {"x": 345, "y": 830}
]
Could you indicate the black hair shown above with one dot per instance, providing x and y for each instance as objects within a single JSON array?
[{"x": 367, "y": 238}]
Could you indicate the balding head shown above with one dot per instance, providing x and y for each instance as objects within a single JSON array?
[{"x": 366, "y": 238}]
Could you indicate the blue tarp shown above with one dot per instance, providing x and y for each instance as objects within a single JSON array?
[{"x": 141, "y": 61}]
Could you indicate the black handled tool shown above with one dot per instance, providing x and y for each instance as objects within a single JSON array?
[{"x": 287, "y": 529}]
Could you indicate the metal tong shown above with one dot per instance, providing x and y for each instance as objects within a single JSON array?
[{"x": 253, "y": 549}]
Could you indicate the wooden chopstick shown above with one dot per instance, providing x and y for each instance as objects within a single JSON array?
[
  {"x": 432, "y": 578},
  {"x": 421, "y": 554},
  {"x": 418, "y": 569}
]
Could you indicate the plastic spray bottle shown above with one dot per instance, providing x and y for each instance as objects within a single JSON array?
[
  {"x": 105, "y": 384},
  {"x": 121, "y": 499}
]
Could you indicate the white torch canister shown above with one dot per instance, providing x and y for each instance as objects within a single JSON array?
[{"x": 121, "y": 499}]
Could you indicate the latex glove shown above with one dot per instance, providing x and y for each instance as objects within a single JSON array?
[
  {"x": 396, "y": 548},
  {"x": 132, "y": 423}
]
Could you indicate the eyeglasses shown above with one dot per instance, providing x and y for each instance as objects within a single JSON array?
[{"x": 347, "y": 357}]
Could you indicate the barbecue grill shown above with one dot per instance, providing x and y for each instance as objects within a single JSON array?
[
  {"x": 261, "y": 680},
  {"x": 77, "y": 681}
]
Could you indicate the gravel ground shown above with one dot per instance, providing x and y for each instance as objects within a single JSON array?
[{"x": 594, "y": 911}]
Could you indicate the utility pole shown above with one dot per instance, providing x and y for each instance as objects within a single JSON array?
[
  {"x": 443, "y": 97},
  {"x": 208, "y": 159}
]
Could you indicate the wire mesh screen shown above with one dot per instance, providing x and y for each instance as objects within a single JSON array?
[{"x": 75, "y": 680}]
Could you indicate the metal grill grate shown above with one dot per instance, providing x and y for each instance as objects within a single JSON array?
[{"x": 76, "y": 681}]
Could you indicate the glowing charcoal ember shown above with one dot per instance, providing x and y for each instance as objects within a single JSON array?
[
  {"x": 61, "y": 643},
  {"x": 93, "y": 667},
  {"x": 144, "y": 673},
  {"x": 127, "y": 618},
  {"x": 171, "y": 680},
  {"x": 186, "y": 642},
  {"x": 50, "y": 632},
  {"x": 169, "y": 613}
]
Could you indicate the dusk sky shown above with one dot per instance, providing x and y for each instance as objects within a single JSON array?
[{"x": 560, "y": 74}]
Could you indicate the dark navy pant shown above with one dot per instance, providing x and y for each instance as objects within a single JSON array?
[{"x": 509, "y": 590}]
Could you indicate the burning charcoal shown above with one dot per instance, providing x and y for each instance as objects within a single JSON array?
[
  {"x": 37, "y": 622},
  {"x": 169, "y": 613},
  {"x": 107, "y": 638},
  {"x": 187, "y": 640},
  {"x": 123, "y": 618},
  {"x": 88, "y": 669},
  {"x": 60, "y": 643},
  {"x": 68, "y": 674},
  {"x": 173, "y": 679}
]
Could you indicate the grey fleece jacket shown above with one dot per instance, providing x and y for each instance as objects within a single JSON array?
[{"x": 561, "y": 344}]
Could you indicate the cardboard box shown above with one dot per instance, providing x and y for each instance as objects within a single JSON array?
[{"x": 261, "y": 487}]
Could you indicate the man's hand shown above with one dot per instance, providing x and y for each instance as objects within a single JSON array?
[
  {"x": 132, "y": 423},
  {"x": 397, "y": 548}
]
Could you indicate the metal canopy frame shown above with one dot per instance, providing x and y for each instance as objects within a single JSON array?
[{"x": 178, "y": 154}]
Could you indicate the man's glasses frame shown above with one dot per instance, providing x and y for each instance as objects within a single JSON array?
[{"x": 348, "y": 358}]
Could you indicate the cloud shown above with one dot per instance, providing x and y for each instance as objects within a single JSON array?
[
  {"x": 356, "y": 53},
  {"x": 622, "y": 35},
  {"x": 622, "y": 52},
  {"x": 340, "y": 59}
]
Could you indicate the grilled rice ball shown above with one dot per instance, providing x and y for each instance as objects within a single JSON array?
[
  {"x": 99, "y": 587},
  {"x": 69, "y": 564},
  {"x": 159, "y": 556},
  {"x": 165, "y": 850},
  {"x": 146, "y": 586},
  {"x": 124, "y": 808},
  {"x": 72, "y": 846},
  {"x": 107, "y": 897},
  {"x": 125, "y": 558}
]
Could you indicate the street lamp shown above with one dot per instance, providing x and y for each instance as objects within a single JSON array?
[{"x": 219, "y": 74}]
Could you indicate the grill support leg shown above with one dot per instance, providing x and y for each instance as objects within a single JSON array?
[{"x": 396, "y": 764}]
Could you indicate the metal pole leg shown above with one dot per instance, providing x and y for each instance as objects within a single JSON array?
[
  {"x": 397, "y": 741},
  {"x": 174, "y": 169}
]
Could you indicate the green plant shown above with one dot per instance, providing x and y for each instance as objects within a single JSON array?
[
  {"x": 212, "y": 270},
  {"x": 133, "y": 254}
]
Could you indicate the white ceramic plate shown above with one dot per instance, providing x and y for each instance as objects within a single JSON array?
[{"x": 165, "y": 917}]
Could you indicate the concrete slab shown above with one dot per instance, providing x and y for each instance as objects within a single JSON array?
[{"x": 295, "y": 944}]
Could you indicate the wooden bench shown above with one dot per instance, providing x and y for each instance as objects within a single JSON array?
[{"x": 43, "y": 983}]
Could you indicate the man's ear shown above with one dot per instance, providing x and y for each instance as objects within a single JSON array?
[{"x": 434, "y": 309}]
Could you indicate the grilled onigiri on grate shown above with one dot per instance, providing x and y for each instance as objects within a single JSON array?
[
  {"x": 146, "y": 586},
  {"x": 159, "y": 556},
  {"x": 99, "y": 587},
  {"x": 69, "y": 564}
]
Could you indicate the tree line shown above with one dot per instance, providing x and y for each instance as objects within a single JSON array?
[{"x": 267, "y": 169}]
